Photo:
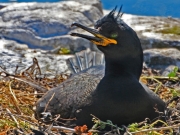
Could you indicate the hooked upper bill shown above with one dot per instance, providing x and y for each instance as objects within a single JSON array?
[{"x": 98, "y": 39}]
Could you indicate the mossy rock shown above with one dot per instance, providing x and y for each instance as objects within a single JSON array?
[{"x": 172, "y": 30}]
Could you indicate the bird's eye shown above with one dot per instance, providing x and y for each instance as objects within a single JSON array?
[{"x": 114, "y": 35}]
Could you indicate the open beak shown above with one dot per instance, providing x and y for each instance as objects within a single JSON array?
[{"x": 98, "y": 39}]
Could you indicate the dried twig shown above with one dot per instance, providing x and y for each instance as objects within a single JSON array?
[
  {"x": 157, "y": 129},
  {"x": 12, "y": 92},
  {"x": 20, "y": 117},
  {"x": 49, "y": 102},
  {"x": 64, "y": 128},
  {"x": 9, "y": 112}
]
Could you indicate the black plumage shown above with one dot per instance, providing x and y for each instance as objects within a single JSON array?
[{"x": 115, "y": 95}]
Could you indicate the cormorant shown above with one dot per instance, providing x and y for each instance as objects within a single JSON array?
[{"x": 115, "y": 95}]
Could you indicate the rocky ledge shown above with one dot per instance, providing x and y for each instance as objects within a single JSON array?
[{"x": 39, "y": 30}]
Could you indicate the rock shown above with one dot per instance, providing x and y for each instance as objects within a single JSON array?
[
  {"x": 2, "y": 6},
  {"x": 162, "y": 58},
  {"x": 148, "y": 43},
  {"x": 167, "y": 70},
  {"x": 47, "y": 25},
  {"x": 154, "y": 27},
  {"x": 161, "y": 49},
  {"x": 13, "y": 55},
  {"x": 96, "y": 3},
  {"x": 155, "y": 32}
]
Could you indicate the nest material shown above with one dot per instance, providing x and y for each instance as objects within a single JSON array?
[{"x": 20, "y": 91}]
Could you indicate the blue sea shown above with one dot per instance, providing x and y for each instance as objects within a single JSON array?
[{"x": 139, "y": 7}]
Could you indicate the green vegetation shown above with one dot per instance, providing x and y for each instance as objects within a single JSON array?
[
  {"x": 171, "y": 30},
  {"x": 64, "y": 50},
  {"x": 173, "y": 73}
]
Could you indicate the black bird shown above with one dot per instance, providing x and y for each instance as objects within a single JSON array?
[{"x": 115, "y": 95}]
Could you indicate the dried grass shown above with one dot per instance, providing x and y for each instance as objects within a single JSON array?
[{"x": 17, "y": 99}]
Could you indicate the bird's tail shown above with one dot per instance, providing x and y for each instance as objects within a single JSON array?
[{"x": 84, "y": 60}]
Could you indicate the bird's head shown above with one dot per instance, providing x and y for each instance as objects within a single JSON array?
[{"x": 112, "y": 36}]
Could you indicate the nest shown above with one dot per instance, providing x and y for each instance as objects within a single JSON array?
[{"x": 20, "y": 91}]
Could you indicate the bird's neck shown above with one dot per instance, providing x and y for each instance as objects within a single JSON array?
[{"x": 125, "y": 66}]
